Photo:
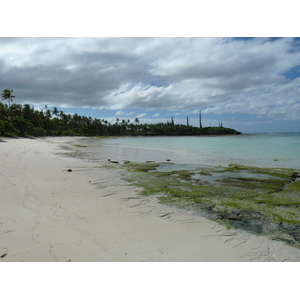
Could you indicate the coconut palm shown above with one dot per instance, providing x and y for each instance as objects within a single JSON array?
[
  {"x": 7, "y": 95},
  {"x": 55, "y": 111}
]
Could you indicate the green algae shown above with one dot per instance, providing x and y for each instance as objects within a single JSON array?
[
  {"x": 278, "y": 172},
  {"x": 294, "y": 186},
  {"x": 80, "y": 146},
  {"x": 260, "y": 185},
  {"x": 141, "y": 167},
  {"x": 266, "y": 201}
]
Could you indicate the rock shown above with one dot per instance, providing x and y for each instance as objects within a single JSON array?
[
  {"x": 69, "y": 170},
  {"x": 113, "y": 161},
  {"x": 245, "y": 219},
  {"x": 3, "y": 255}
]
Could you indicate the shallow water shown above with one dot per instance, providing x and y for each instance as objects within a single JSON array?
[
  {"x": 219, "y": 176},
  {"x": 262, "y": 150},
  {"x": 213, "y": 173},
  {"x": 208, "y": 157}
]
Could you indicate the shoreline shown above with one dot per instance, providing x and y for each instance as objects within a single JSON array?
[
  {"x": 219, "y": 151},
  {"x": 91, "y": 215}
]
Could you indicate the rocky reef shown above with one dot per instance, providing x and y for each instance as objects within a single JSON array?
[{"x": 258, "y": 200}]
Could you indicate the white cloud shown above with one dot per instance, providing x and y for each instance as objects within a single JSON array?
[
  {"x": 214, "y": 75},
  {"x": 122, "y": 113},
  {"x": 119, "y": 113},
  {"x": 279, "y": 102},
  {"x": 141, "y": 115},
  {"x": 156, "y": 115}
]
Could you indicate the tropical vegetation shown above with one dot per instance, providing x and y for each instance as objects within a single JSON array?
[
  {"x": 24, "y": 120},
  {"x": 7, "y": 95}
]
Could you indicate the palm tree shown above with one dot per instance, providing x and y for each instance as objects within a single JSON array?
[
  {"x": 55, "y": 111},
  {"x": 7, "y": 94}
]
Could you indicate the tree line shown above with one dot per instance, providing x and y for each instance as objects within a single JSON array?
[{"x": 24, "y": 120}]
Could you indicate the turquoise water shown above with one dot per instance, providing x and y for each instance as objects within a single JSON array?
[{"x": 262, "y": 150}]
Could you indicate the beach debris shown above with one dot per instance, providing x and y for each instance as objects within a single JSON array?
[
  {"x": 113, "y": 161},
  {"x": 69, "y": 260},
  {"x": 150, "y": 162},
  {"x": 69, "y": 170},
  {"x": 3, "y": 255}
]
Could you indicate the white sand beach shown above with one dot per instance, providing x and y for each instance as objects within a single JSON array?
[{"x": 48, "y": 214}]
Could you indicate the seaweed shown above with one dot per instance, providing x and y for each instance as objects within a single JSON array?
[{"x": 266, "y": 201}]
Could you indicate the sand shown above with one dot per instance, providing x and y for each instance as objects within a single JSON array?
[{"x": 48, "y": 214}]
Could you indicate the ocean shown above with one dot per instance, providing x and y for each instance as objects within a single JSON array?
[{"x": 276, "y": 150}]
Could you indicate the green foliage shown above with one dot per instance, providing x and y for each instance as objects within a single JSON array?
[
  {"x": 7, "y": 129},
  {"x": 7, "y": 95},
  {"x": 2, "y": 127},
  {"x": 52, "y": 122},
  {"x": 24, "y": 126},
  {"x": 219, "y": 130}
]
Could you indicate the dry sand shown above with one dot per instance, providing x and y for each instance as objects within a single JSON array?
[{"x": 48, "y": 214}]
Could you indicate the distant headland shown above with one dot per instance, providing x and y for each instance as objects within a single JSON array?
[{"x": 24, "y": 120}]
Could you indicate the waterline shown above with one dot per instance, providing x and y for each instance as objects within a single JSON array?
[{"x": 262, "y": 150}]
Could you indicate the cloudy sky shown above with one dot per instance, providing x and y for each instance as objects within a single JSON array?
[{"x": 250, "y": 84}]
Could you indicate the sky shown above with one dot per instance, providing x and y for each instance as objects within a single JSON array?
[{"x": 249, "y": 84}]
